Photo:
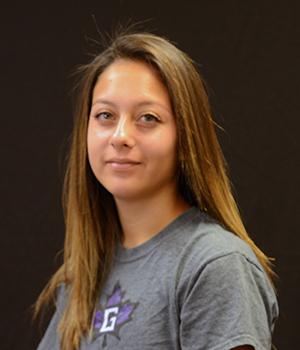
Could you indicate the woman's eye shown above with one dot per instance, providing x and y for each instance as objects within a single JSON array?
[
  {"x": 103, "y": 116},
  {"x": 149, "y": 118}
]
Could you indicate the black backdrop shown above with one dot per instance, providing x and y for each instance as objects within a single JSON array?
[{"x": 249, "y": 54}]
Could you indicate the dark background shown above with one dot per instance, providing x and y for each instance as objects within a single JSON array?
[{"x": 248, "y": 53}]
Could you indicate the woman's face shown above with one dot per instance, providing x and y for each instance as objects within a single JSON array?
[{"x": 131, "y": 135}]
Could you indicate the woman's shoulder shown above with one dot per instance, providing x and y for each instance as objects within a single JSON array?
[
  {"x": 61, "y": 297},
  {"x": 199, "y": 239}
]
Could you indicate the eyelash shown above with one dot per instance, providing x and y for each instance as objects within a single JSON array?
[
  {"x": 156, "y": 119},
  {"x": 152, "y": 116},
  {"x": 97, "y": 116}
]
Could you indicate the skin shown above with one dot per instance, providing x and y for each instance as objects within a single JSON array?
[{"x": 131, "y": 117}]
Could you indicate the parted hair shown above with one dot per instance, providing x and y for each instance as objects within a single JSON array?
[{"x": 92, "y": 224}]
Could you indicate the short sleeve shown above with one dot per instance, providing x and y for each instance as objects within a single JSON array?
[
  {"x": 229, "y": 303},
  {"x": 50, "y": 340}
]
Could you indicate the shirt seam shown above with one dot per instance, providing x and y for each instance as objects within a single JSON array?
[
  {"x": 232, "y": 252},
  {"x": 245, "y": 339},
  {"x": 196, "y": 272}
]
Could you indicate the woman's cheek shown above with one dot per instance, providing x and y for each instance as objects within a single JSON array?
[{"x": 102, "y": 134}]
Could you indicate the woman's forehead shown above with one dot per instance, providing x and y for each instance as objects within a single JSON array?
[{"x": 131, "y": 80}]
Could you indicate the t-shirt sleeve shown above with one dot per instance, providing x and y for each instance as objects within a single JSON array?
[
  {"x": 229, "y": 303},
  {"x": 50, "y": 340}
]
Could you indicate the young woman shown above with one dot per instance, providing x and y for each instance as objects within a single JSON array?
[{"x": 156, "y": 255}]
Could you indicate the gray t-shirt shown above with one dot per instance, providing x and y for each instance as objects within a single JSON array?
[{"x": 193, "y": 286}]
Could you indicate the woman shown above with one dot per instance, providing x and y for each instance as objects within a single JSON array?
[{"x": 156, "y": 255}]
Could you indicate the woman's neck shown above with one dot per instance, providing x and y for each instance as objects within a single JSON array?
[{"x": 143, "y": 219}]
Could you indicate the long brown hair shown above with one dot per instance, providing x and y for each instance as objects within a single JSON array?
[{"x": 92, "y": 224}]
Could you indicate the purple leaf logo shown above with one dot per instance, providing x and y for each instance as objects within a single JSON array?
[{"x": 109, "y": 319}]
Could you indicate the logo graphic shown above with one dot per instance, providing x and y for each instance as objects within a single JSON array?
[{"x": 109, "y": 319}]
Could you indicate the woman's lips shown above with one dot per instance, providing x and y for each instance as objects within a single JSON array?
[{"x": 122, "y": 165}]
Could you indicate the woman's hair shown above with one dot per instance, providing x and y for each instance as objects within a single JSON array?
[{"x": 92, "y": 225}]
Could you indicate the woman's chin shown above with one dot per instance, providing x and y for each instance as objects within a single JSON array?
[
  {"x": 129, "y": 194},
  {"x": 125, "y": 194}
]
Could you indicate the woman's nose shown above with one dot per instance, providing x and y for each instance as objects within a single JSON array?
[{"x": 123, "y": 134}]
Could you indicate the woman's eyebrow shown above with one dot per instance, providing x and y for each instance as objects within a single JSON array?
[
  {"x": 103, "y": 101},
  {"x": 138, "y": 104}
]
